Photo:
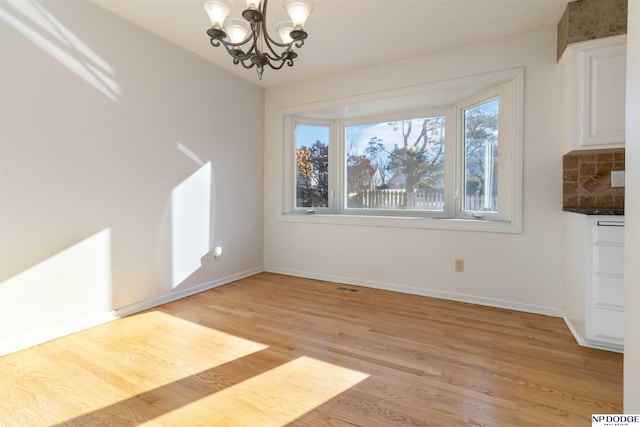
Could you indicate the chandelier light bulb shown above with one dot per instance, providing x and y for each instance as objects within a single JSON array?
[
  {"x": 253, "y": 4},
  {"x": 236, "y": 29},
  {"x": 217, "y": 10},
  {"x": 284, "y": 29},
  {"x": 299, "y": 11}
]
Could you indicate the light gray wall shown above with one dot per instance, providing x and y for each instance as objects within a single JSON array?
[
  {"x": 117, "y": 150},
  {"x": 520, "y": 269}
]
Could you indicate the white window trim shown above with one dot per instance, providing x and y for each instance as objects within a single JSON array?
[{"x": 510, "y": 176}]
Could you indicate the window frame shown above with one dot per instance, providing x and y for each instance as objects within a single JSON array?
[
  {"x": 505, "y": 181},
  {"x": 290, "y": 164},
  {"x": 508, "y": 85},
  {"x": 462, "y": 159}
]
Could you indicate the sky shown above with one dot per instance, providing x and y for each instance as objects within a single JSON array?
[
  {"x": 307, "y": 135},
  {"x": 357, "y": 137}
]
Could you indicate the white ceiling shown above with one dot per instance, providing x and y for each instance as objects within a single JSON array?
[{"x": 349, "y": 34}]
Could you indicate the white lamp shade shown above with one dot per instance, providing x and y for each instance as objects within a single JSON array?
[
  {"x": 236, "y": 29},
  {"x": 255, "y": 4},
  {"x": 299, "y": 11},
  {"x": 283, "y": 29},
  {"x": 217, "y": 10}
]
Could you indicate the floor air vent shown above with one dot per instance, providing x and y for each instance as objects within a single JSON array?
[{"x": 342, "y": 288}]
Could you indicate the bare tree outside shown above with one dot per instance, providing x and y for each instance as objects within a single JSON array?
[
  {"x": 481, "y": 155},
  {"x": 400, "y": 164},
  {"x": 411, "y": 154},
  {"x": 312, "y": 166}
]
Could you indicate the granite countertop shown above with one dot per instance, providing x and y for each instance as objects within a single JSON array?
[{"x": 595, "y": 211}]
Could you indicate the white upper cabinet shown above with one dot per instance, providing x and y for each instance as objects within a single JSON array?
[{"x": 595, "y": 82}]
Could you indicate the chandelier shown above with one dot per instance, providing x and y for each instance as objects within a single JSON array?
[{"x": 248, "y": 41}]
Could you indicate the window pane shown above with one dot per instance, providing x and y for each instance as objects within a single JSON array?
[
  {"x": 481, "y": 157},
  {"x": 312, "y": 166},
  {"x": 396, "y": 165}
]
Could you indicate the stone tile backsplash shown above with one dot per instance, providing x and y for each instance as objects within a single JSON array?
[{"x": 586, "y": 179}]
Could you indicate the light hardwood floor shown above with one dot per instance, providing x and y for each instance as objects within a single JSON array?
[{"x": 274, "y": 350}]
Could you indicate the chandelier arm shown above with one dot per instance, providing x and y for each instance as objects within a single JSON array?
[
  {"x": 273, "y": 56},
  {"x": 287, "y": 55},
  {"x": 281, "y": 63},
  {"x": 216, "y": 42},
  {"x": 288, "y": 46},
  {"x": 256, "y": 30},
  {"x": 242, "y": 62},
  {"x": 268, "y": 40}
]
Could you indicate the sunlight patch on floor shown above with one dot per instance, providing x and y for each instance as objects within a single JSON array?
[
  {"x": 128, "y": 367},
  {"x": 186, "y": 347},
  {"x": 275, "y": 397}
]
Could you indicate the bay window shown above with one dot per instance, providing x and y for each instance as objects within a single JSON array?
[{"x": 456, "y": 157}]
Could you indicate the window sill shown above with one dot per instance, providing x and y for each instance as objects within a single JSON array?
[{"x": 453, "y": 224}]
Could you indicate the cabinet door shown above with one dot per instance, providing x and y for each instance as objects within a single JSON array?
[{"x": 604, "y": 85}]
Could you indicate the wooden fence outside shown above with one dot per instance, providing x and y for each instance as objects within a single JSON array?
[{"x": 423, "y": 199}]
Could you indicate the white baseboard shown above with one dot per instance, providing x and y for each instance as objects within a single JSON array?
[
  {"x": 82, "y": 324},
  {"x": 576, "y": 335},
  {"x": 173, "y": 296},
  {"x": 582, "y": 341},
  {"x": 97, "y": 319},
  {"x": 453, "y": 296}
]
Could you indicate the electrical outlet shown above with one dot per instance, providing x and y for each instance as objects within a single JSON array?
[
  {"x": 459, "y": 265},
  {"x": 211, "y": 256},
  {"x": 617, "y": 178}
]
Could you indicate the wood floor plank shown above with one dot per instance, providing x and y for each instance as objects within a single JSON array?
[{"x": 274, "y": 350}]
